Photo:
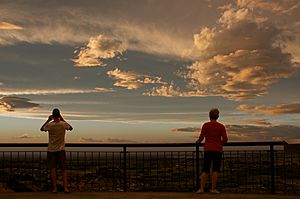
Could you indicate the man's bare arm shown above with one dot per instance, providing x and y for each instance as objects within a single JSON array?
[
  {"x": 62, "y": 119},
  {"x": 49, "y": 120}
]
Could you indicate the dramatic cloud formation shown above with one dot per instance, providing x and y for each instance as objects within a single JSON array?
[
  {"x": 252, "y": 132},
  {"x": 98, "y": 49},
  {"x": 9, "y": 26},
  {"x": 76, "y": 23},
  {"x": 131, "y": 79},
  {"x": 51, "y": 91},
  {"x": 239, "y": 61},
  {"x": 279, "y": 6},
  {"x": 293, "y": 108},
  {"x": 10, "y": 103}
]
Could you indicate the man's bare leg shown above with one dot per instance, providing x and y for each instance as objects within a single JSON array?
[
  {"x": 53, "y": 179},
  {"x": 65, "y": 181}
]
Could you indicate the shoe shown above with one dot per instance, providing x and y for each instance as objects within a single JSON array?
[
  {"x": 54, "y": 191},
  {"x": 199, "y": 191},
  {"x": 215, "y": 191}
]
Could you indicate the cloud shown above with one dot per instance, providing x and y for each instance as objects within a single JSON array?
[
  {"x": 51, "y": 91},
  {"x": 166, "y": 91},
  {"x": 83, "y": 139},
  {"x": 260, "y": 122},
  {"x": 108, "y": 140},
  {"x": 104, "y": 89},
  {"x": 276, "y": 132},
  {"x": 10, "y": 103},
  {"x": 255, "y": 133},
  {"x": 98, "y": 49},
  {"x": 278, "y": 7},
  {"x": 9, "y": 26},
  {"x": 238, "y": 61},
  {"x": 25, "y": 136},
  {"x": 75, "y": 24},
  {"x": 132, "y": 80},
  {"x": 186, "y": 129},
  {"x": 293, "y": 108},
  {"x": 286, "y": 12},
  {"x": 116, "y": 140}
]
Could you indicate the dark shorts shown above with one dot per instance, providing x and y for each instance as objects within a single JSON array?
[
  {"x": 214, "y": 158},
  {"x": 57, "y": 158}
]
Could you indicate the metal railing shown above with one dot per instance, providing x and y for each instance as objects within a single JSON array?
[{"x": 247, "y": 167}]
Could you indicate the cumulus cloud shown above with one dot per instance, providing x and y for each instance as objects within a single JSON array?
[
  {"x": 98, "y": 49},
  {"x": 166, "y": 91},
  {"x": 51, "y": 91},
  {"x": 73, "y": 24},
  {"x": 293, "y": 108},
  {"x": 255, "y": 133},
  {"x": 238, "y": 61},
  {"x": 9, "y": 26},
  {"x": 132, "y": 80},
  {"x": 108, "y": 140},
  {"x": 279, "y": 6},
  {"x": 10, "y": 103}
]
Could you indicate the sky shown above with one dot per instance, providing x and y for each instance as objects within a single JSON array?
[{"x": 140, "y": 71}]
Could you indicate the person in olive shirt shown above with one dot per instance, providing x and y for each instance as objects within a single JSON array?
[
  {"x": 56, "y": 154},
  {"x": 215, "y": 136}
]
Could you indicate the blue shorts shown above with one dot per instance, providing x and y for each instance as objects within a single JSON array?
[{"x": 214, "y": 158}]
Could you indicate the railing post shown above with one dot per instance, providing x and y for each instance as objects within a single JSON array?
[
  {"x": 125, "y": 168},
  {"x": 272, "y": 169},
  {"x": 197, "y": 166}
]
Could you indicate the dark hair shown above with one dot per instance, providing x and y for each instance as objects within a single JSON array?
[
  {"x": 56, "y": 113},
  {"x": 214, "y": 114}
]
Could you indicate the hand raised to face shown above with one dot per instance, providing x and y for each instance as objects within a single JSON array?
[{"x": 50, "y": 118}]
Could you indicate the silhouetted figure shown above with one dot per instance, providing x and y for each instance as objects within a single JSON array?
[
  {"x": 56, "y": 147},
  {"x": 215, "y": 136}
]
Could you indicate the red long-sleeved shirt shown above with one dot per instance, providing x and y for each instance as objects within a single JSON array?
[{"x": 215, "y": 136}]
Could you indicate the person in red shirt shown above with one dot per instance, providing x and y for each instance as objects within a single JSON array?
[{"x": 215, "y": 136}]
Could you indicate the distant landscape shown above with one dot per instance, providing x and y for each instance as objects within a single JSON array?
[{"x": 242, "y": 171}]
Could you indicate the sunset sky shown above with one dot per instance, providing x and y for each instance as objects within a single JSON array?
[{"x": 150, "y": 70}]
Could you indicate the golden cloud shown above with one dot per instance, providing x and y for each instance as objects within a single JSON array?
[
  {"x": 293, "y": 108},
  {"x": 132, "y": 80},
  {"x": 239, "y": 61},
  {"x": 10, "y": 103},
  {"x": 9, "y": 26},
  {"x": 98, "y": 49}
]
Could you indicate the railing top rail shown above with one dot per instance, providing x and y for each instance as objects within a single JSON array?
[{"x": 277, "y": 143}]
